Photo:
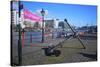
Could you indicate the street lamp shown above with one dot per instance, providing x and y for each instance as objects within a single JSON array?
[
  {"x": 20, "y": 32},
  {"x": 42, "y": 13}
]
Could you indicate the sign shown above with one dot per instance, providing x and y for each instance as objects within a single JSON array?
[{"x": 33, "y": 17}]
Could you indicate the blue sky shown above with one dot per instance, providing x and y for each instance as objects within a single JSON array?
[{"x": 78, "y": 15}]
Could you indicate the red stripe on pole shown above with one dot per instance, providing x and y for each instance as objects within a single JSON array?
[
  {"x": 30, "y": 38},
  {"x": 22, "y": 39}
]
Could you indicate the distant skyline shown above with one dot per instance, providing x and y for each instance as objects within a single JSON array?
[{"x": 77, "y": 15}]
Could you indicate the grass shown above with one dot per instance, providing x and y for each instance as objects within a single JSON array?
[{"x": 69, "y": 48}]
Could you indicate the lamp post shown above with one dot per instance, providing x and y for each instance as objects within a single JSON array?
[
  {"x": 20, "y": 32},
  {"x": 42, "y": 13}
]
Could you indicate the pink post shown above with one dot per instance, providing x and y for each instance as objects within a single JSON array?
[
  {"x": 31, "y": 38},
  {"x": 22, "y": 39}
]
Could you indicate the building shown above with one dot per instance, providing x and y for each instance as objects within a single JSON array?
[{"x": 14, "y": 18}]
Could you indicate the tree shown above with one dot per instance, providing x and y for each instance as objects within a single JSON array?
[{"x": 36, "y": 25}]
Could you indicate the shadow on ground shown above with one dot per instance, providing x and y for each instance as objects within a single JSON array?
[{"x": 92, "y": 56}]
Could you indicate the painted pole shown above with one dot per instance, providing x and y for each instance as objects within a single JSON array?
[{"x": 23, "y": 39}]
